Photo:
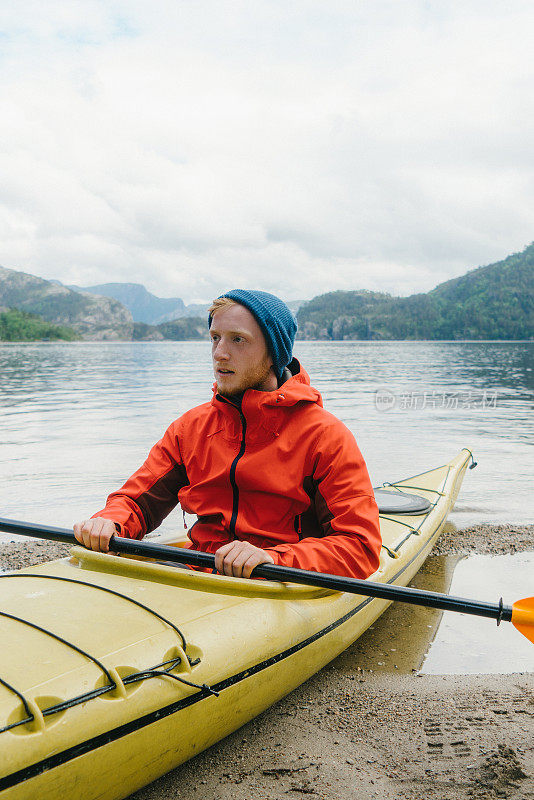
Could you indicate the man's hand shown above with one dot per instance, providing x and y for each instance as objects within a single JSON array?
[
  {"x": 95, "y": 533},
  {"x": 238, "y": 559}
]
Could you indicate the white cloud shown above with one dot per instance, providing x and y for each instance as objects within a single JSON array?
[{"x": 193, "y": 147}]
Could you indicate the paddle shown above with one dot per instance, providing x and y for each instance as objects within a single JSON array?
[{"x": 521, "y": 614}]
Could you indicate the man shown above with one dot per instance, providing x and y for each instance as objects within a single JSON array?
[{"x": 271, "y": 476}]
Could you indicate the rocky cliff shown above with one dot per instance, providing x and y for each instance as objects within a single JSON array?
[
  {"x": 144, "y": 306},
  {"x": 94, "y": 318}
]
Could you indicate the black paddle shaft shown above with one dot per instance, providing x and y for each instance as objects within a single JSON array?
[{"x": 386, "y": 591}]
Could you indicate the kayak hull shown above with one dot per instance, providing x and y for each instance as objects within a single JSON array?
[{"x": 250, "y": 642}]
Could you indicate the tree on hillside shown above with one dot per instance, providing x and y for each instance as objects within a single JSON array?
[{"x": 21, "y": 326}]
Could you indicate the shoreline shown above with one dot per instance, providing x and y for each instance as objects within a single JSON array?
[{"x": 376, "y": 735}]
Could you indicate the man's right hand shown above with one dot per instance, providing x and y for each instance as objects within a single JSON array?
[{"x": 95, "y": 533}]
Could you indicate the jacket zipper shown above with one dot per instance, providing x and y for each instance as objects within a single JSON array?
[
  {"x": 235, "y": 488},
  {"x": 233, "y": 482}
]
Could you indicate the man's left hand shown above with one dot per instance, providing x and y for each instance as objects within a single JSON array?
[{"x": 237, "y": 559}]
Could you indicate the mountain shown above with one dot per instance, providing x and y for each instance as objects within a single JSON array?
[
  {"x": 197, "y": 310},
  {"x": 340, "y": 315},
  {"x": 91, "y": 317},
  {"x": 144, "y": 306},
  {"x": 151, "y": 309},
  {"x": 491, "y": 302},
  {"x": 178, "y": 330}
]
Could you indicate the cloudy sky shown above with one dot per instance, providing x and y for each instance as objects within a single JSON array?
[{"x": 196, "y": 145}]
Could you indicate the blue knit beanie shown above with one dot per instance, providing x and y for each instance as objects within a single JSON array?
[{"x": 274, "y": 318}]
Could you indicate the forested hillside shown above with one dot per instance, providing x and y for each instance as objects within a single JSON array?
[
  {"x": 179, "y": 330},
  {"x": 92, "y": 317},
  {"x": 492, "y": 302},
  {"x": 21, "y": 326}
]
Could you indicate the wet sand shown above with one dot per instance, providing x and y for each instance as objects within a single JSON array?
[{"x": 358, "y": 730}]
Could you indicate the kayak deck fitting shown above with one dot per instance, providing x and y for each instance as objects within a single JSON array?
[{"x": 117, "y": 669}]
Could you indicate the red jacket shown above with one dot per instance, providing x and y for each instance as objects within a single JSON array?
[{"x": 281, "y": 473}]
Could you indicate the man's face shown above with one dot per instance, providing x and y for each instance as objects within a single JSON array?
[{"x": 240, "y": 357}]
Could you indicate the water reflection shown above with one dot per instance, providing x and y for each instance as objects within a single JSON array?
[
  {"x": 467, "y": 645},
  {"x": 400, "y": 638},
  {"x": 415, "y": 639}
]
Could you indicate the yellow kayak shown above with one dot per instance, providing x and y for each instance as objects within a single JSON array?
[{"x": 114, "y": 670}]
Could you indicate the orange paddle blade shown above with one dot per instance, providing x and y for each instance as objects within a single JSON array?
[{"x": 523, "y": 617}]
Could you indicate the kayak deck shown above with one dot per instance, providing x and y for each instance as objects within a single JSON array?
[{"x": 153, "y": 664}]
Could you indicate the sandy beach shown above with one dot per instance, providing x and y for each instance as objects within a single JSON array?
[{"x": 374, "y": 734}]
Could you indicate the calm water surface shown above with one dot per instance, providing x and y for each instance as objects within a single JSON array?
[
  {"x": 416, "y": 639},
  {"x": 77, "y": 418},
  {"x": 466, "y": 644}
]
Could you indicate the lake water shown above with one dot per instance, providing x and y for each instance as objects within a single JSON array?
[
  {"x": 410, "y": 638},
  {"x": 77, "y": 418}
]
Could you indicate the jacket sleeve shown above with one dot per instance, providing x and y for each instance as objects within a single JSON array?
[
  {"x": 346, "y": 509},
  {"x": 151, "y": 493}
]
